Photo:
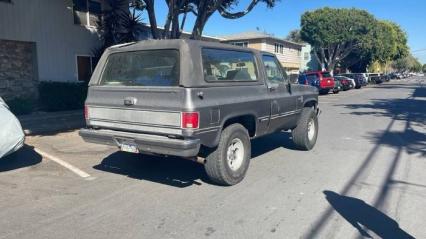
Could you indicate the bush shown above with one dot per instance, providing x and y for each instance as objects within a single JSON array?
[
  {"x": 57, "y": 96},
  {"x": 20, "y": 106}
]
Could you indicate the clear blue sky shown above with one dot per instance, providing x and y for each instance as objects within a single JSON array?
[{"x": 409, "y": 14}]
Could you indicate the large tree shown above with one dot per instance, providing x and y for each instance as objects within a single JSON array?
[
  {"x": 424, "y": 68},
  {"x": 202, "y": 9},
  {"x": 335, "y": 33},
  {"x": 385, "y": 43}
]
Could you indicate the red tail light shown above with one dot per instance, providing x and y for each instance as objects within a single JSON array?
[
  {"x": 86, "y": 112},
  {"x": 190, "y": 120}
]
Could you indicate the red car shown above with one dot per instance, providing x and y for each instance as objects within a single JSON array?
[{"x": 320, "y": 79}]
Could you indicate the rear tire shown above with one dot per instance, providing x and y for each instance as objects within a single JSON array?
[
  {"x": 228, "y": 163},
  {"x": 306, "y": 133}
]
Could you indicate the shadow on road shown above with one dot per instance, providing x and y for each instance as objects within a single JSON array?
[
  {"x": 365, "y": 217},
  {"x": 178, "y": 172},
  {"x": 170, "y": 171},
  {"x": 412, "y": 111},
  {"x": 25, "y": 157},
  {"x": 268, "y": 143}
]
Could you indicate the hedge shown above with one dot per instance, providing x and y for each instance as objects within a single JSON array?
[
  {"x": 20, "y": 106},
  {"x": 58, "y": 96}
]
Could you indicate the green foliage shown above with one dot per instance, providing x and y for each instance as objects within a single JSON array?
[
  {"x": 335, "y": 33},
  {"x": 352, "y": 37},
  {"x": 294, "y": 36},
  {"x": 328, "y": 26},
  {"x": 388, "y": 42},
  {"x": 57, "y": 96},
  {"x": 407, "y": 64},
  {"x": 120, "y": 22},
  {"x": 21, "y": 106},
  {"x": 424, "y": 68}
]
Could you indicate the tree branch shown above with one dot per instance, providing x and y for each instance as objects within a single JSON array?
[{"x": 224, "y": 12}]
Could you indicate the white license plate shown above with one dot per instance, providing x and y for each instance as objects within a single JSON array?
[{"x": 131, "y": 148}]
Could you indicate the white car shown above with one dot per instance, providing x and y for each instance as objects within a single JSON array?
[{"x": 11, "y": 134}]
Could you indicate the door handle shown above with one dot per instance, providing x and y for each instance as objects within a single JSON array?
[{"x": 128, "y": 101}]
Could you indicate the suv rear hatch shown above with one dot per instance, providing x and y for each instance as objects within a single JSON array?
[
  {"x": 327, "y": 81},
  {"x": 137, "y": 91}
]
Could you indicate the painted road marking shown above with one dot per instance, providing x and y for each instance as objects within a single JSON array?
[{"x": 64, "y": 164}]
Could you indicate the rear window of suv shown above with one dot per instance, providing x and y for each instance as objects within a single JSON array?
[
  {"x": 142, "y": 68},
  {"x": 326, "y": 74},
  {"x": 228, "y": 65}
]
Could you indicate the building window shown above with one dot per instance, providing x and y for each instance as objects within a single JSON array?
[
  {"x": 242, "y": 44},
  {"x": 87, "y": 12},
  {"x": 306, "y": 56},
  {"x": 84, "y": 68},
  {"x": 279, "y": 48}
]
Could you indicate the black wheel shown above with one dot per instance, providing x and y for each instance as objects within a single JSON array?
[
  {"x": 306, "y": 133},
  {"x": 336, "y": 91},
  {"x": 228, "y": 163}
]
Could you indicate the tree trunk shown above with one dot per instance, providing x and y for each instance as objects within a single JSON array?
[{"x": 152, "y": 18}]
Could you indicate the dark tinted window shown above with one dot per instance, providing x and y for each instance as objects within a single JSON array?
[
  {"x": 326, "y": 74},
  {"x": 312, "y": 77},
  {"x": 142, "y": 68},
  {"x": 228, "y": 65}
]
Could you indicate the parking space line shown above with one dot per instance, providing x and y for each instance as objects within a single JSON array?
[{"x": 64, "y": 164}]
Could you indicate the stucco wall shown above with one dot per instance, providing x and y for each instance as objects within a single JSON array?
[{"x": 50, "y": 25}]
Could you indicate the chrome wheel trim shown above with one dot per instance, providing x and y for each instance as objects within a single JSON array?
[
  {"x": 311, "y": 129},
  {"x": 235, "y": 154}
]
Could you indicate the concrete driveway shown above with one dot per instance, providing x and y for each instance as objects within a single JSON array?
[{"x": 365, "y": 177}]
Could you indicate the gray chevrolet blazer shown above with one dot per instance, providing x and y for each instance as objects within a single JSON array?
[{"x": 198, "y": 100}]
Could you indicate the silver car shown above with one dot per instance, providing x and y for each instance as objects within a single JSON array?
[{"x": 11, "y": 134}]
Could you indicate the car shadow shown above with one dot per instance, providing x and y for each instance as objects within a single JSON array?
[
  {"x": 364, "y": 217},
  {"x": 175, "y": 171},
  {"x": 270, "y": 142},
  {"x": 172, "y": 171},
  {"x": 25, "y": 157}
]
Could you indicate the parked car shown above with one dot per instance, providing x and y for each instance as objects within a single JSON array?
[
  {"x": 375, "y": 78},
  {"x": 337, "y": 87},
  {"x": 320, "y": 79},
  {"x": 11, "y": 134},
  {"x": 357, "y": 79},
  {"x": 143, "y": 100},
  {"x": 346, "y": 83}
]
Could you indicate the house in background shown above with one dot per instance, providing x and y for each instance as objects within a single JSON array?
[
  {"x": 46, "y": 40},
  {"x": 287, "y": 52},
  {"x": 308, "y": 61}
]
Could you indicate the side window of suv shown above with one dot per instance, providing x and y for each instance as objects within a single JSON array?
[
  {"x": 228, "y": 65},
  {"x": 273, "y": 69}
]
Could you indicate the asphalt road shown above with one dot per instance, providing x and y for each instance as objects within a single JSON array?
[{"x": 365, "y": 177}]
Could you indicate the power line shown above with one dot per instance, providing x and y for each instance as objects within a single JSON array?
[{"x": 419, "y": 50}]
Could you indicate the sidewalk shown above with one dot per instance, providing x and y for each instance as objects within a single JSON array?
[{"x": 40, "y": 123}]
